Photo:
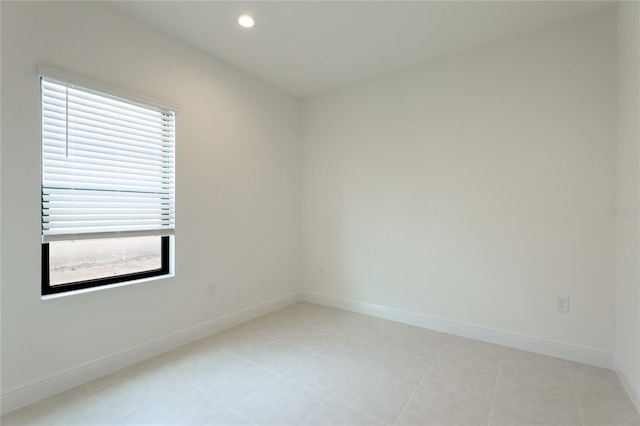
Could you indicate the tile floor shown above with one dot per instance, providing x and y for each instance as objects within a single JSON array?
[{"x": 313, "y": 365}]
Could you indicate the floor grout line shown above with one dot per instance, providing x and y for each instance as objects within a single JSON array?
[
  {"x": 313, "y": 411},
  {"x": 115, "y": 417},
  {"x": 495, "y": 386},
  {"x": 345, "y": 381},
  {"x": 418, "y": 386},
  {"x": 235, "y": 412},
  {"x": 575, "y": 394},
  {"x": 101, "y": 401},
  {"x": 230, "y": 406}
]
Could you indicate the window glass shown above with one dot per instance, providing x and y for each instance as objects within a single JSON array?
[{"x": 82, "y": 260}]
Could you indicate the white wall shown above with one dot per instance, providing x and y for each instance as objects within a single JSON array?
[
  {"x": 238, "y": 188},
  {"x": 473, "y": 188},
  {"x": 628, "y": 199}
]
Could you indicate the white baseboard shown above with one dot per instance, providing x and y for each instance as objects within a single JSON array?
[
  {"x": 74, "y": 376},
  {"x": 545, "y": 347},
  {"x": 631, "y": 390}
]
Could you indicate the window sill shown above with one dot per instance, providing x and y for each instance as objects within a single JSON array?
[{"x": 105, "y": 287}]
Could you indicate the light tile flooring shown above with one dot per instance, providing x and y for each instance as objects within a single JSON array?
[{"x": 313, "y": 365}]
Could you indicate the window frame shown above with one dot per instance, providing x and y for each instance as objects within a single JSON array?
[
  {"x": 166, "y": 241},
  {"x": 48, "y": 289}
]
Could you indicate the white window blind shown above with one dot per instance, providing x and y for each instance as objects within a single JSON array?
[{"x": 107, "y": 165}]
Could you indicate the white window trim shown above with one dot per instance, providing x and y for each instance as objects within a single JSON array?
[{"x": 98, "y": 86}]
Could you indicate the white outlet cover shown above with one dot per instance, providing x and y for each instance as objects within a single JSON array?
[{"x": 562, "y": 304}]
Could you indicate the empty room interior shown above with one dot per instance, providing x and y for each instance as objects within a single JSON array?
[{"x": 320, "y": 213}]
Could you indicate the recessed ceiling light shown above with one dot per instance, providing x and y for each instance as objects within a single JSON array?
[{"x": 246, "y": 21}]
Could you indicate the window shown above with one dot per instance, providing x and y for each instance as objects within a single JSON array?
[{"x": 108, "y": 186}]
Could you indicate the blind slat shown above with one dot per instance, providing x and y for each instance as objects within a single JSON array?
[
  {"x": 88, "y": 235},
  {"x": 62, "y": 167},
  {"x": 54, "y": 152},
  {"x": 71, "y": 194},
  {"x": 100, "y": 163},
  {"x": 90, "y": 175},
  {"x": 92, "y": 133},
  {"x": 57, "y": 138},
  {"x": 59, "y": 113}
]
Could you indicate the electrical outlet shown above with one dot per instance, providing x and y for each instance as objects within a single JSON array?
[
  {"x": 562, "y": 304},
  {"x": 211, "y": 290}
]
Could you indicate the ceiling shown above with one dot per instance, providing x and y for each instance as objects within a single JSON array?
[{"x": 310, "y": 47}]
